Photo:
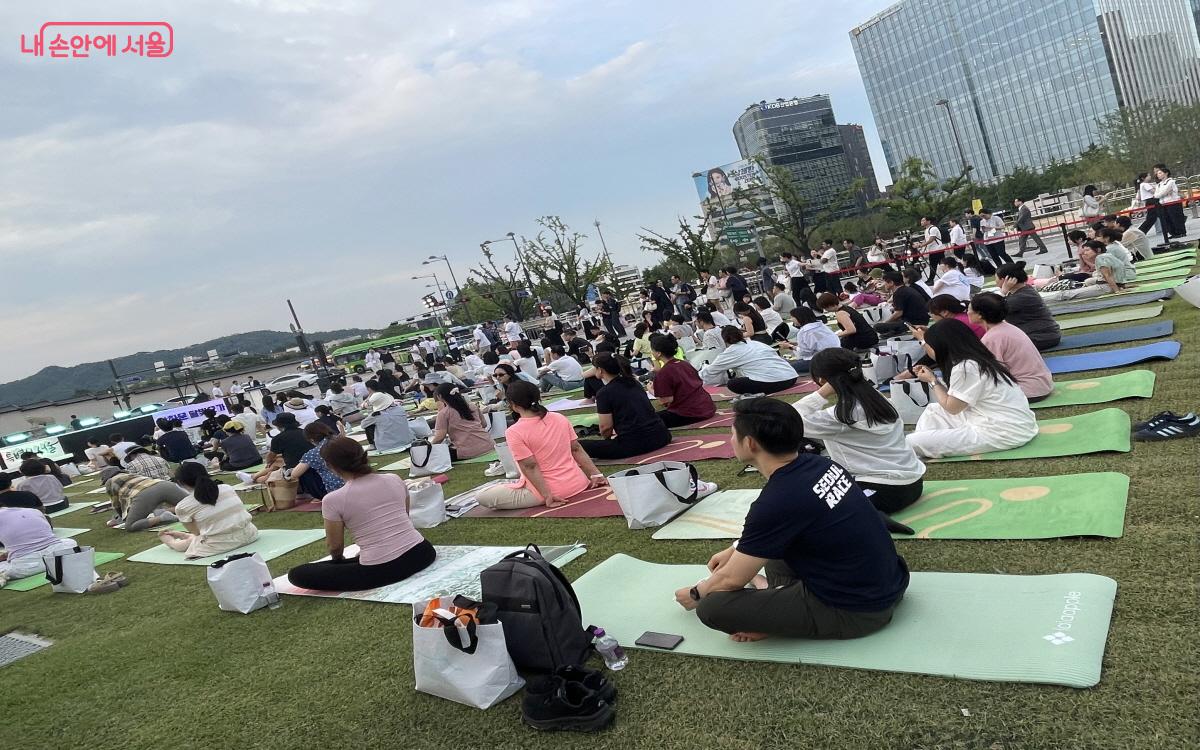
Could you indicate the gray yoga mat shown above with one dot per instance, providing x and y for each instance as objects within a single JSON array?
[{"x": 1106, "y": 303}]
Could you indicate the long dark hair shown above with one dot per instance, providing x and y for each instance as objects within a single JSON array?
[
  {"x": 615, "y": 365},
  {"x": 842, "y": 369},
  {"x": 195, "y": 475},
  {"x": 756, "y": 320},
  {"x": 953, "y": 342},
  {"x": 946, "y": 303},
  {"x": 450, "y": 395},
  {"x": 268, "y": 404},
  {"x": 803, "y": 315},
  {"x": 527, "y": 396}
]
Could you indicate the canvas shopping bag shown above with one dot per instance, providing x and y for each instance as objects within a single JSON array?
[
  {"x": 497, "y": 424},
  {"x": 910, "y": 397},
  {"x": 881, "y": 368},
  {"x": 428, "y": 460},
  {"x": 459, "y": 652},
  {"x": 504, "y": 454},
  {"x": 426, "y": 503},
  {"x": 70, "y": 570},
  {"x": 653, "y": 494},
  {"x": 906, "y": 346},
  {"x": 242, "y": 583}
]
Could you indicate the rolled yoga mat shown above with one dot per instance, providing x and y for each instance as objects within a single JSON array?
[
  {"x": 1036, "y": 629},
  {"x": 1093, "y": 432},
  {"x": 1108, "y": 336},
  {"x": 33, "y": 582},
  {"x": 1113, "y": 316},
  {"x": 1131, "y": 355},
  {"x": 1132, "y": 384},
  {"x": 1009, "y": 508},
  {"x": 271, "y": 543}
]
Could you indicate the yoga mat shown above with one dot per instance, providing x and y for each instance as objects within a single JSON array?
[
  {"x": 1115, "y": 316},
  {"x": 567, "y": 404},
  {"x": 271, "y": 543},
  {"x": 486, "y": 458},
  {"x": 1115, "y": 336},
  {"x": 69, "y": 509},
  {"x": 65, "y": 533},
  {"x": 1093, "y": 432},
  {"x": 1167, "y": 260},
  {"x": 586, "y": 419},
  {"x": 806, "y": 386},
  {"x": 1037, "y": 629},
  {"x": 1155, "y": 286},
  {"x": 1181, "y": 272},
  {"x": 720, "y": 419},
  {"x": 690, "y": 448},
  {"x": 392, "y": 451},
  {"x": 1132, "y": 355},
  {"x": 32, "y": 582},
  {"x": 596, "y": 503},
  {"x": 1108, "y": 301},
  {"x": 403, "y": 464},
  {"x": 455, "y": 569},
  {"x": 1132, "y": 384}
]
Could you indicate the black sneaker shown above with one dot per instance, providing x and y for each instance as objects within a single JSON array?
[
  {"x": 1161, "y": 418},
  {"x": 553, "y": 704},
  {"x": 1169, "y": 430},
  {"x": 592, "y": 679}
]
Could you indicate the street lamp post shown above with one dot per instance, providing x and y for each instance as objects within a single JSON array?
[
  {"x": 957, "y": 142},
  {"x": 437, "y": 285},
  {"x": 444, "y": 259},
  {"x": 603, "y": 244}
]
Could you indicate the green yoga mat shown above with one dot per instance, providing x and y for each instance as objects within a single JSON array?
[
  {"x": 1120, "y": 315},
  {"x": 1010, "y": 508},
  {"x": 583, "y": 420},
  {"x": 1093, "y": 432},
  {"x": 62, "y": 532},
  {"x": 1036, "y": 629},
  {"x": 486, "y": 458},
  {"x": 1169, "y": 259},
  {"x": 1153, "y": 286},
  {"x": 1132, "y": 384},
  {"x": 70, "y": 509},
  {"x": 32, "y": 582},
  {"x": 1155, "y": 274},
  {"x": 271, "y": 543}
]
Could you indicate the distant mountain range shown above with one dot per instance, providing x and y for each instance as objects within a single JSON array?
[{"x": 56, "y": 383}]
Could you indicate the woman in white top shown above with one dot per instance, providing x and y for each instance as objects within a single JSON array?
[
  {"x": 1144, "y": 184},
  {"x": 808, "y": 336},
  {"x": 213, "y": 514},
  {"x": 98, "y": 454},
  {"x": 862, "y": 431},
  {"x": 958, "y": 236},
  {"x": 1091, "y": 204},
  {"x": 981, "y": 410},
  {"x": 759, "y": 368},
  {"x": 877, "y": 253},
  {"x": 952, "y": 281}
]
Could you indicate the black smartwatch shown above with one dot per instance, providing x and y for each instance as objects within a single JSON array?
[{"x": 694, "y": 592}]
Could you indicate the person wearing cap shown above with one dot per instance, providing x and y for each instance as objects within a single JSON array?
[
  {"x": 35, "y": 479},
  {"x": 139, "y": 460},
  {"x": 239, "y": 449},
  {"x": 299, "y": 409},
  {"x": 141, "y": 502},
  {"x": 386, "y": 423}
]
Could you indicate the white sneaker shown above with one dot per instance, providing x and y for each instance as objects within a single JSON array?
[
  {"x": 494, "y": 469},
  {"x": 512, "y": 475},
  {"x": 704, "y": 489},
  {"x": 244, "y": 477}
]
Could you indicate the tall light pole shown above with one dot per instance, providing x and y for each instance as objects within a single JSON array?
[
  {"x": 444, "y": 259},
  {"x": 437, "y": 284},
  {"x": 603, "y": 244},
  {"x": 957, "y": 143}
]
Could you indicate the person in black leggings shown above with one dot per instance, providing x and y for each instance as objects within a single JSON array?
[
  {"x": 628, "y": 422},
  {"x": 853, "y": 329}
]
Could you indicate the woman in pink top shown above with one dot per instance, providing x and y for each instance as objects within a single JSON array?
[
  {"x": 374, "y": 507},
  {"x": 945, "y": 307},
  {"x": 543, "y": 443},
  {"x": 1012, "y": 346},
  {"x": 461, "y": 422}
]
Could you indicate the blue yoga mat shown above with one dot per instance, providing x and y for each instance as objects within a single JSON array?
[
  {"x": 1116, "y": 336},
  {"x": 1113, "y": 358}
]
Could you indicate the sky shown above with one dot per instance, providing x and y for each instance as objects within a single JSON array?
[{"x": 319, "y": 150}]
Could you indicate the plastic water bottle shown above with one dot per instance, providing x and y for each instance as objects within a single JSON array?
[{"x": 614, "y": 656}]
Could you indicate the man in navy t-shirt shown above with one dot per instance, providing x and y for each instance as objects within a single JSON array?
[{"x": 832, "y": 570}]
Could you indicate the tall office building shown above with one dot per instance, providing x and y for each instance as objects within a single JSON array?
[
  {"x": 858, "y": 159},
  {"x": 1026, "y": 84},
  {"x": 802, "y": 136}
]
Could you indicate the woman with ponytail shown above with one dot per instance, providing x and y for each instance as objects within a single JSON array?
[
  {"x": 628, "y": 423},
  {"x": 553, "y": 466},
  {"x": 461, "y": 422},
  {"x": 374, "y": 507},
  {"x": 213, "y": 514},
  {"x": 862, "y": 431}
]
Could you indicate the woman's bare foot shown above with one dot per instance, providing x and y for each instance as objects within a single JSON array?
[
  {"x": 746, "y": 637},
  {"x": 759, "y": 581}
]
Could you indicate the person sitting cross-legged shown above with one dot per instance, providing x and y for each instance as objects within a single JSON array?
[
  {"x": 832, "y": 570},
  {"x": 213, "y": 514}
]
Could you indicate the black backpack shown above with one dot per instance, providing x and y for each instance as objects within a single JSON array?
[{"x": 543, "y": 625}]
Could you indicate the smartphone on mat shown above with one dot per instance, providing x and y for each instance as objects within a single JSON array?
[{"x": 659, "y": 640}]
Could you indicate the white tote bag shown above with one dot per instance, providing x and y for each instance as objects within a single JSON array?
[
  {"x": 653, "y": 494},
  {"x": 1190, "y": 291},
  {"x": 906, "y": 346},
  {"x": 242, "y": 583},
  {"x": 910, "y": 397},
  {"x": 420, "y": 428},
  {"x": 497, "y": 424},
  {"x": 70, "y": 570},
  {"x": 462, "y": 661},
  {"x": 428, "y": 460},
  {"x": 504, "y": 454},
  {"x": 426, "y": 503},
  {"x": 881, "y": 369}
]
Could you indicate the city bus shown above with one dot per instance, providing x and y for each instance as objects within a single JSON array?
[{"x": 353, "y": 356}]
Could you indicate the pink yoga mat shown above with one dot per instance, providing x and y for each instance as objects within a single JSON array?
[
  {"x": 596, "y": 503},
  {"x": 697, "y": 448},
  {"x": 719, "y": 392},
  {"x": 720, "y": 419}
]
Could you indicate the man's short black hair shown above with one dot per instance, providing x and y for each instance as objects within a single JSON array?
[
  {"x": 776, "y": 426},
  {"x": 893, "y": 277}
]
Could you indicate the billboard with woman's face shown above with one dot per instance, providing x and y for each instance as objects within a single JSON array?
[{"x": 720, "y": 182}]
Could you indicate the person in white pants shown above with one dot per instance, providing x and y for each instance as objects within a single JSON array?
[{"x": 26, "y": 535}]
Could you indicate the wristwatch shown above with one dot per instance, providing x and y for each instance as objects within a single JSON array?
[{"x": 694, "y": 592}]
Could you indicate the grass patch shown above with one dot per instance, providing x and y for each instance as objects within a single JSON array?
[{"x": 158, "y": 665}]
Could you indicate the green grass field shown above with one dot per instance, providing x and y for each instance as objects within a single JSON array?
[{"x": 157, "y": 665}]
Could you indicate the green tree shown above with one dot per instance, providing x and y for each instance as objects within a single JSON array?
[
  {"x": 561, "y": 268},
  {"x": 918, "y": 192},
  {"x": 786, "y": 212},
  {"x": 498, "y": 286},
  {"x": 689, "y": 247}
]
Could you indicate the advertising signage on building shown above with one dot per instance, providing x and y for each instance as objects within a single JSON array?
[{"x": 721, "y": 181}]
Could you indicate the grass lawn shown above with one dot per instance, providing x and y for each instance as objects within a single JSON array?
[{"x": 157, "y": 665}]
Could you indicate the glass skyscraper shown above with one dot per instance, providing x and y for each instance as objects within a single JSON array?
[{"x": 1027, "y": 84}]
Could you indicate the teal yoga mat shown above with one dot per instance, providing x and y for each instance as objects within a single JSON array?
[
  {"x": 33, "y": 582},
  {"x": 271, "y": 543},
  {"x": 1036, "y": 629}
]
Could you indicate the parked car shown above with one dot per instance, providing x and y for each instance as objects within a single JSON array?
[{"x": 290, "y": 381}]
